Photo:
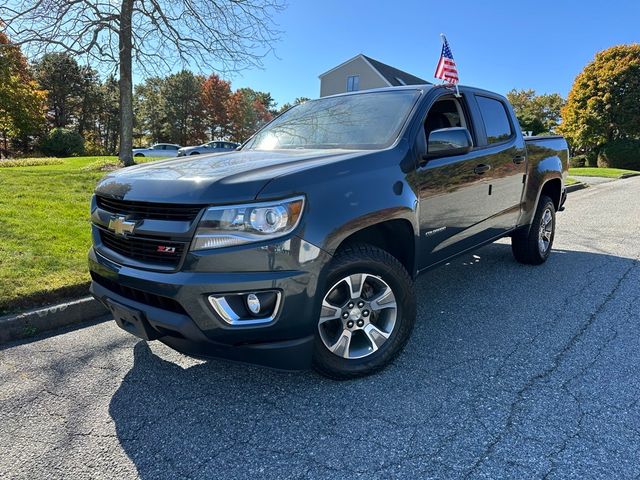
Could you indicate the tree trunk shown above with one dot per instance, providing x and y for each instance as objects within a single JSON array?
[
  {"x": 4, "y": 151},
  {"x": 126, "y": 84}
]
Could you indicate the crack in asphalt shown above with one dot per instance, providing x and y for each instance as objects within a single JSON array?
[{"x": 547, "y": 372}]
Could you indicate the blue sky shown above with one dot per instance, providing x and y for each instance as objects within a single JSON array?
[{"x": 498, "y": 45}]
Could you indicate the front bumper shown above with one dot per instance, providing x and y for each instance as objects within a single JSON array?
[{"x": 175, "y": 309}]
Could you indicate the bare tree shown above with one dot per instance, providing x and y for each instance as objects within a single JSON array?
[{"x": 224, "y": 35}]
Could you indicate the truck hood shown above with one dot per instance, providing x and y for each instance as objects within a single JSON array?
[{"x": 229, "y": 177}]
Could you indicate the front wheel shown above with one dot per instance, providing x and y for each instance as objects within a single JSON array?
[
  {"x": 534, "y": 247},
  {"x": 367, "y": 314}
]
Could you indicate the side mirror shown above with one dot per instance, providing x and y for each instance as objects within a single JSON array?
[{"x": 448, "y": 141}]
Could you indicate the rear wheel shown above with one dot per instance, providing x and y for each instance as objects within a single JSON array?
[
  {"x": 368, "y": 311},
  {"x": 534, "y": 247},
  {"x": 139, "y": 155}
]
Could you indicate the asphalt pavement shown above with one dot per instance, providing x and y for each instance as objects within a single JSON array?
[{"x": 512, "y": 372}]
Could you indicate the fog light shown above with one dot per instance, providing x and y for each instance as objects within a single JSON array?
[
  {"x": 253, "y": 303},
  {"x": 247, "y": 308}
]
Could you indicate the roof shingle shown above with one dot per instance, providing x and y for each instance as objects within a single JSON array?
[{"x": 394, "y": 76}]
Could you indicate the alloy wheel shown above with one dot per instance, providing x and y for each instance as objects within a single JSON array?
[
  {"x": 546, "y": 231},
  {"x": 358, "y": 316}
]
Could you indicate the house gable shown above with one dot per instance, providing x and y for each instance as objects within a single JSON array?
[
  {"x": 335, "y": 80},
  {"x": 370, "y": 74}
]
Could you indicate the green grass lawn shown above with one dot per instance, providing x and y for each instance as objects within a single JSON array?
[
  {"x": 599, "y": 172},
  {"x": 44, "y": 230},
  {"x": 570, "y": 181}
]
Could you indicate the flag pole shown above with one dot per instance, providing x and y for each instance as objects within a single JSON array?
[{"x": 444, "y": 42}]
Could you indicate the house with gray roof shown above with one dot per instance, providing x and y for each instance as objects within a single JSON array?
[{"x": 363, "y": 73}]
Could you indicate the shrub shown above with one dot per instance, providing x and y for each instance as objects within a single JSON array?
[
  {"x": 92, "y": 147},
  {"x": 103, "y": 165},
  {"x": 577, "y": 161},
  {"x": 61, "y": 142},
  {"x": 623, "y": 153},
  {"x": 30, "y": 162}
]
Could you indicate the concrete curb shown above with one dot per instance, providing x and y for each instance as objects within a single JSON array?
[
  {"x": 629, "y": 175},
  {"x": 28, "y": 324},
  {"x": 576, "y": 186}
]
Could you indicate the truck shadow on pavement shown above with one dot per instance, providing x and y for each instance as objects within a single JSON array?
[{"x": 486, "y": 328}]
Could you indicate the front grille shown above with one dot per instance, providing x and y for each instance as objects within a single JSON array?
[
  {"x": 141, "y": 296},
  {"x": 155, "y": 211},
  {"x": 144, "y": 249}
]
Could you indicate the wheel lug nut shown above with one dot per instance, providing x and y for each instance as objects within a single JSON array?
[
  {"x": 360, "y": 323},
  {"x": 345, "y": 315},
  {"x": 350, "y": 305},
  {"x": 360, "y": 304},
  {"x": 365, "y": 313},
  {"x": 350, "y": 324}
]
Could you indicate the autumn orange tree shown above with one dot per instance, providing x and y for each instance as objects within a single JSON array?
[
  {"x": 604, "y": 103},
  {"x": 215, "y": 97},
  {"x": 247, "y": 113},
  {"x": 21, "y": 101}
]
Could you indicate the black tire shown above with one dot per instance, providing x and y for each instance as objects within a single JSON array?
[
  {"x": 194, "y": 153},
  {"x": 525, "y": 244},
  {"x": 139, "y": 155},
  {"x": 378, "y": 264}
]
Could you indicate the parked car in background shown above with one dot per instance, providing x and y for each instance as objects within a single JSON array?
[
  {"x": 211, "y": 147},
  {"x": 158, "y": 150}
]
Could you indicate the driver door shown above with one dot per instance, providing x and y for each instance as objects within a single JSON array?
[{"x": 453, "y": 195}]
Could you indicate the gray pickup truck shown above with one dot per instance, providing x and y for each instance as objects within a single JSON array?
[{"x": 301, "y": 247}]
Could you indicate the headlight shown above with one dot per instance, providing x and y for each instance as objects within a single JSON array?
[{"x": 239, "y": 224}]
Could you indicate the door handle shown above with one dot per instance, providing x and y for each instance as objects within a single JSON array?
[
  {"x": 519, "y": 159},
  {"x": 482, "y": 168}
]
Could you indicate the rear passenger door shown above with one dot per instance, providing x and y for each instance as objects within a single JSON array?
[{"x": 503, "y": 152}]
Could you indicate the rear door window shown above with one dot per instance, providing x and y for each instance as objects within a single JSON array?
[{"x": 495, "y": 118}]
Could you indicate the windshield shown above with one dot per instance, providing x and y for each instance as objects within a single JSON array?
[{"x": 363, "y": 121}]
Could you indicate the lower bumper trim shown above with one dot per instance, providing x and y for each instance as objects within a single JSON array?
[{"x": 180, "y": 332}]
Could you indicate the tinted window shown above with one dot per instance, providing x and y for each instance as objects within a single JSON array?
[
  {"x": 496, "y": 121},
  {"x": 443, "y": 114},
  {"x": 364, "y": 121},
  {"x": 172, "y": 147}
]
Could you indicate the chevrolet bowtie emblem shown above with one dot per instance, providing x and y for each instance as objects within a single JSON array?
[{"x": 121, "y": 226}]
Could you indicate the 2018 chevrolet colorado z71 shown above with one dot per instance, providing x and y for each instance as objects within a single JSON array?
[{"x": 301, "y": 247}]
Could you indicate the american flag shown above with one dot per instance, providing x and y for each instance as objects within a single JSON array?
[{"x": 447, "y": 69}]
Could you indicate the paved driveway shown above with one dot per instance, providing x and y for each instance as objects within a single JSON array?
[{"x": 512, "y": 372}]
